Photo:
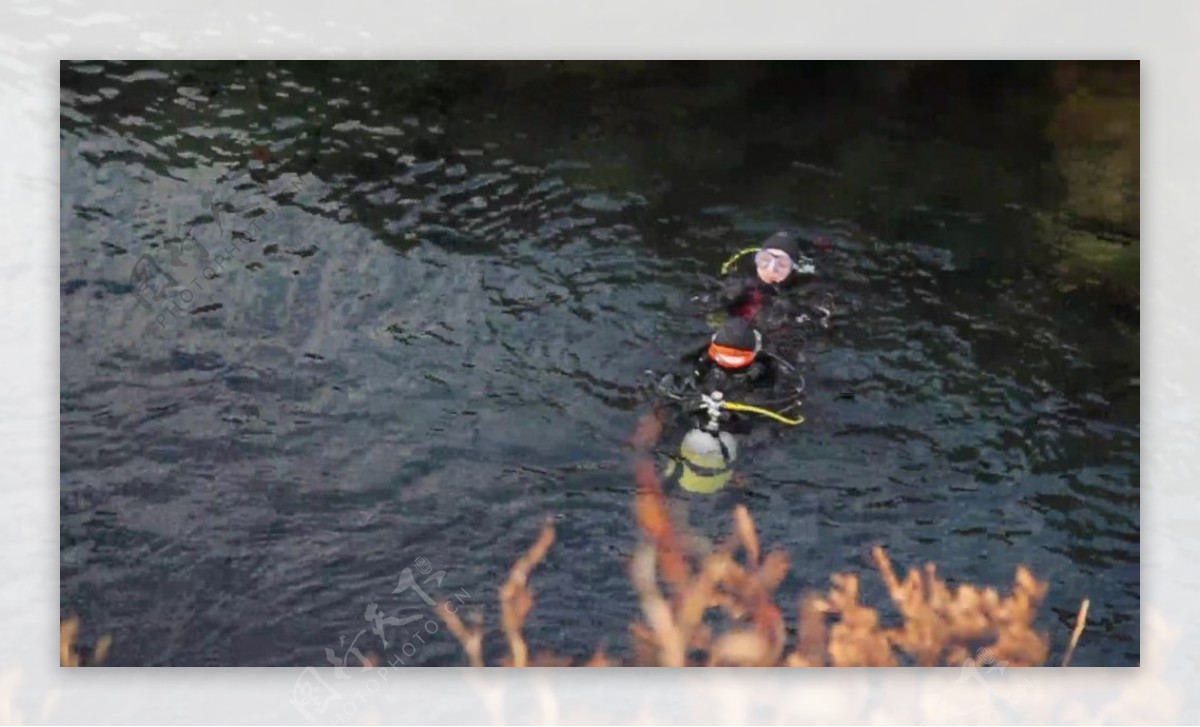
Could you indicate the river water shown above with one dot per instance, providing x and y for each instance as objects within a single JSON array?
[{"x": 430, "y": 297}]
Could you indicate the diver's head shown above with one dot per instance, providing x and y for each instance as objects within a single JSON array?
[
  {"x": 777, "y": 257},
  {"x": 735, "y": 345}
]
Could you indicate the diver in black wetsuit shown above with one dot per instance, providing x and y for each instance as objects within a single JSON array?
[
  {"x": 731, "y": 375},
  {"x": 735, "y": 363},
  {"x": 733, "y": 360},
  {"x": 770, "y": 296}
]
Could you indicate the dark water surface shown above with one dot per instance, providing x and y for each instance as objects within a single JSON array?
[{"x": 432, "y": 297}]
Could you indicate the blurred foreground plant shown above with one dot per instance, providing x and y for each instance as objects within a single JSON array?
[
  {"x": 69, "y": 653},
  {"x": 717, "y": 608}
]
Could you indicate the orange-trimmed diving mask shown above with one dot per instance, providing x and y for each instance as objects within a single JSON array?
[{"x": 731, "y": 357}]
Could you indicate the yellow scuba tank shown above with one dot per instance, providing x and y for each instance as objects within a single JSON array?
[{"x": 705, "y": 461}]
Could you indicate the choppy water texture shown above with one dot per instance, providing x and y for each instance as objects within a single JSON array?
[{"x": 439, "y": 290}]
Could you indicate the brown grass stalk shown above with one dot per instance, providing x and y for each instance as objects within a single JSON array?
[
  {"x": 471, "y": 638},
  {"x": 1080, "y": 620},
  {"x": 516, "y": 598}
]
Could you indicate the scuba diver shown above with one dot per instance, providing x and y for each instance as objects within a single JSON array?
[
  {"x": 736, "y": 365},
  {"x": 769, "y": 295},
  {"x": 733, "y": 361},
  {"x": 728, "y": 373}
]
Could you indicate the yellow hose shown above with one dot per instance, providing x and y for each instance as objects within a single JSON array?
[
  {"x": 738, "y": 406},
  {"x": 737, "y": 256}
]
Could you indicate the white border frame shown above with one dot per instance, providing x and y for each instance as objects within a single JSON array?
[{"x": 35, "y": 34}]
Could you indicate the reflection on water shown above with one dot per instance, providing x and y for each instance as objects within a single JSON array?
[{"x": 323, "y": 323}]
